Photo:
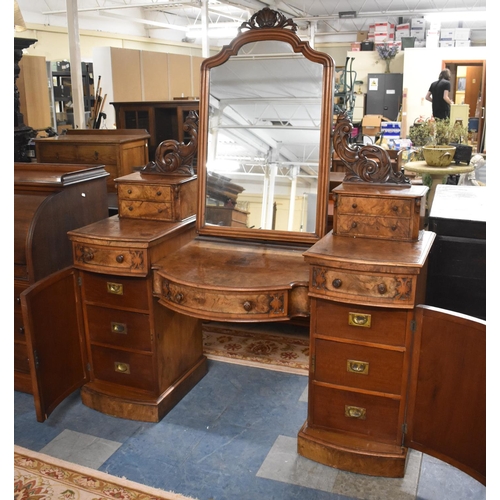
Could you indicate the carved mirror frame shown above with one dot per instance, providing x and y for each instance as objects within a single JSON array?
[{"x": 268, "y": 25}]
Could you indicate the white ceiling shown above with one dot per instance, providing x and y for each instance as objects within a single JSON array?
[{"x": 171, "y": 20}]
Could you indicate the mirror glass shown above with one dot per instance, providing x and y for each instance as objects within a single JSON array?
[{"x": 264, "y": 159}]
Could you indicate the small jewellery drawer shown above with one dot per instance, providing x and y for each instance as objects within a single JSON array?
[
  {"x": 392, "y": 207},
  {"x": 368, "y": 324},
  {"x": 374, "y": 227},
  {"x": 363, "y": 367},
  {"x": 396, "y": 290},
  {"x": 225, "y": 304},
  {"x": 57, "y": 152},
  {"x": 110, "y": 259},
  {"x": 355, "y": 412},
  {"x": 144, "y": 192},
  {"x": 123, "y": 367},
  {"x": 119, "y": 328},
  {"x": 116, "y": 291},
  {"x": 146, "y": 210}
]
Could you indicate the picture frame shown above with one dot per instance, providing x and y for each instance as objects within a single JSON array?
[{"x": 461, "y": 84}]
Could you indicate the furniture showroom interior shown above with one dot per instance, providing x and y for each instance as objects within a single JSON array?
[{"x": 250, "y": 250}]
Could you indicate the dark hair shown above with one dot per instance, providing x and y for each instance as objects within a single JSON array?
[{"x": 445, "y": 74}]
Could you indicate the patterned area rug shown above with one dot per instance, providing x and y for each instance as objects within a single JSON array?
[
  {"x": 275, "y": 346},
  {"x": 40, "y": 477}
]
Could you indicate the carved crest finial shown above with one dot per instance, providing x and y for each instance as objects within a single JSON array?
[{"x": 268, "y": 18}]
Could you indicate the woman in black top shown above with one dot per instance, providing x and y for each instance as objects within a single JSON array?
[{"x": 439, "y": 95}]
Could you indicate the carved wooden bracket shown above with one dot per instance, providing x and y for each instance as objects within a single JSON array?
[
  {"x": 268, "y": 18},
  {"x": 364, "y": 163},
  {"x": 173, "y": 157}
]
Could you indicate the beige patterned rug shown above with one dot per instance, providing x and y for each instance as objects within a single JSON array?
[
  {"x": 40, "y": 477},
  {"x": 274, "y": 346}
]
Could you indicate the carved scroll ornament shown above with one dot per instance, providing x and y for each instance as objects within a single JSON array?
[
  {"x": 369, "y": 163},
  {"x": 173, "y": 157},
  {"x": 268, "y": 18}
]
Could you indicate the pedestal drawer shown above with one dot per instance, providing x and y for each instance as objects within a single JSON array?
[
  {"x": 119, "y": 328},
  {"x": 156, "y": 193},
  {"x": 367, "y": 415},
  {"x": 363, "y": 323},
  {"x": 146, "y": 210},
  {"x": 116, "y": 291},
  {"x": 363, "y": 367},
  {"x": 374, "y": 227},
  {"x": 124, "y": 368}
]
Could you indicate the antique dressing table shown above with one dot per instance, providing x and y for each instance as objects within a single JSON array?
[{"x": 378, "y": 381}]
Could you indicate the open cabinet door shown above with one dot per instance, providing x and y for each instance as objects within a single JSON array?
[
  {"x": 52, "y": 316},
  {"x": 447, "y": 398}
]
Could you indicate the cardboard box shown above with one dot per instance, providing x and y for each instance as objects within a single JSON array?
[
  {"x": 361, "y": 36},
  {"x": 447, "y": 43},
  {"x": 355, "y": 46},
  {"x": 420, "y": 44},
  {"x": 447, "y": 34},
  {"x": 384, "y": 28},
  {"x": 462, "y": 43},
  {"x": 418, "y": 33},
  {"x": 371, "y": 124},
  {"x": 462, "y": 33},
  {"x": 384, "y": 37},
  {"x": 418, "y": 22}
]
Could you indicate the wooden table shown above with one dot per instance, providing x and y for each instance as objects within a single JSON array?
[{"x": 437, "y": 174}]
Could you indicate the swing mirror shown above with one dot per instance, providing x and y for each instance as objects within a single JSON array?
[{"x": 265, "y": 136}]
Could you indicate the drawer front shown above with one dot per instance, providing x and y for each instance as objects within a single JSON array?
[
  {"x": 366, "y": 324},
  {"x": 144, "y": 192},
  {"x": 397, "y": 290},
  {"x": 394, "y": 207},
  {"x": 231, "y": 305},
  {"x": 146, "y": 210},
  {"x": 18, "y": 314},
  {"x": 362, "y": 367},
  {"x": 57, "y": 153},
  {"x": 110, "y": 259},
  {"x": 119, "y": 328},
  {"x": 124, "y": 368},
  {"x": 374, "y": 416},
  {"x": 21, "y": 362},
  {"x": 116, "y": 291},
  {"x": 104, "y": 154},
  {"x": 374, "y": 227}
]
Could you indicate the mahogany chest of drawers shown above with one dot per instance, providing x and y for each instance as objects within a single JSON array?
[
  {"x": 120, "y": 151},
  {"x": 49, "y": 200}
]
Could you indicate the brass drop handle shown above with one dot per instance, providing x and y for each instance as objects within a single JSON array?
[
  {"x": 57, "y": 156},
  {"x": 120, "y": 258},
  {"x": 178, "y": 297},
  {"x": 96, "y": 155},
  {"x": 355, "y": 412},
  {"x": 361, "y": 367},
  {"x": 356, "y": 319},
  {"x": 337, "y": 283},
  {"x": 382, "y": 288},
  {"x": 122, "y": 367},
  {"x": 115, "y": 288},
  {"x": 247, "y": 306}
]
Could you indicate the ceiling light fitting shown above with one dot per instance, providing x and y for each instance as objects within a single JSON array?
[{"x": 351, "y": 14}]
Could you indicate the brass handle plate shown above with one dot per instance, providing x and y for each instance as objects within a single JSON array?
[
  {"x": 122, "y": 367},
  {"x": 355, "y": 412},
  {"x": 118, "y": 328},
  {"x": 363, "y": 320},
  {"x": 115, "y": 288},
  {"x": 361, "y": 367}
]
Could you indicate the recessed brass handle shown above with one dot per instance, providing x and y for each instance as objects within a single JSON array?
[
  {"x": 122, "y": 367},
  {"x": 382, "y": 288},
  {"x": 115, "y": 288},
  {"x": 355, "y": 412},
  {"x": 337, "y": 283},
  {"x": 118, "y": 327},
  {"x": 356, "y": 319},
  {"x": 247, "y": 306},
  {"x": 361, "y": 367}
]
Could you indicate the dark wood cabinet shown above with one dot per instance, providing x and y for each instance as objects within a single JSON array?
[
  {"x": 162, "y": 119},
  {"x": 49, "y": 201},
  {"x": 457, "y": 263}
]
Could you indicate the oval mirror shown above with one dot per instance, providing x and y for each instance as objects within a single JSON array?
[{"x": 265, "y": 137}]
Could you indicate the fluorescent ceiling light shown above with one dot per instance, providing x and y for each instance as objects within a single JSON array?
[{"x": 469, "y": 15}]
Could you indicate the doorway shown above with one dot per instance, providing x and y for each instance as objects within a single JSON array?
[{"x": 468, "y": 86}]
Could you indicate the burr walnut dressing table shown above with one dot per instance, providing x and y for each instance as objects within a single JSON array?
[{"x": 265, "y": 149}]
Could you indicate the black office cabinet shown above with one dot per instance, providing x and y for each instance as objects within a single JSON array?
[
  {"x": 384, "y": 94},
  {"x": 456, "y": 278}
]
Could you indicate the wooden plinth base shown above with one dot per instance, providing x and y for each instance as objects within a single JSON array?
[
  {"x": 142, "y": 409},
  {"x": 22, "y": 382},
  {"x": 352, "y": 454}
]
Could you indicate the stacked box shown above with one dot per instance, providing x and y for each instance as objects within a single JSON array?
[
  {"x": 402, "y": 30},
  {"x": 355, "y": 46},
  {"x": 391, "y": 130},
  {"x": 462, "y": 43},
  {"x": 418, "y": 33},
  {"x": 418, "y": 23},
  {"x": 361, "y": 36},
  {"x": 447, "y": 43},
  {"x": 384, "y": 28},
  {"x": 447, "y": 35},
  {"x": 462, "y": 34},
  {"x": 383, "y": 38}
]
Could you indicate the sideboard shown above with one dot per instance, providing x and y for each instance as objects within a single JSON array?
[{"x": 49, "y": 200}]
